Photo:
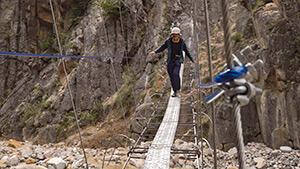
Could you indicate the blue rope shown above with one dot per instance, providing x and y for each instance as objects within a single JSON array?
[
  {"x": 207, "y": 85},
  {"x": 64, "y": 56},
  {"x": 228, "y": 76}
]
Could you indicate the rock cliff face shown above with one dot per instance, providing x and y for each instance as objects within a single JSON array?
[
  {"x": 272, "y": 117},
  {"x": 278, "y": 107},
  {"x": 34, "y": 102}
]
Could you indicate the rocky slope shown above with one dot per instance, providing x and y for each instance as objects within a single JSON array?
[{"x": 16, "y": 155}]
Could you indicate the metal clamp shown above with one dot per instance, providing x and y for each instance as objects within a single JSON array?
[{"x": 235, "y": 84}]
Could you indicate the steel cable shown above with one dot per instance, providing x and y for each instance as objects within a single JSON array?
[
  {"x": 127, "y": 63},
  {"x": 66, "y": 56},
  {"x": 227, "y": 34},
  {"x": 212, "y": 105},
  {"x": 196, "y": 70},
  {"x": 239, "y": 134},
  {"x": 68, "y": 84},
  {"x": 236, "y": 106}
]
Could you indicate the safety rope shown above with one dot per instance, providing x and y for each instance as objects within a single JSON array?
[
  {"x": 127, "y": 63},
  {"x": 212, "y": 106},
  {"x": 68, "y": 84},
  {"x": 67, "y": 56},
  {"x": 113, "y": 69},
  {"x": 227, "y": 34},
  {"x": 236, "y": 106},
  {"x": 198, "y": 103}
]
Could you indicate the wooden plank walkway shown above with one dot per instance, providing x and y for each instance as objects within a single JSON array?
[{"x": 158, "y": 156}]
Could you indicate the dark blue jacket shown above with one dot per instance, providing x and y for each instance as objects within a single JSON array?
[{"x": 184, "y": 48}]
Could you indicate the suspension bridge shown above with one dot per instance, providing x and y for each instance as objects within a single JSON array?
[{"x": 158, "y": 154}]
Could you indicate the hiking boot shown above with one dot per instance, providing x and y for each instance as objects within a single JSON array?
[{"x": 174, "y": 94}]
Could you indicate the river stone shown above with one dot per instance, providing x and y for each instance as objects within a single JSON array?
[
  {"x": 14, "y": 144},
  {"x": 77, "y": 164},
  {"x": 232, "y": 167},
  {"x": 260, "y": 162},
  {"x": 26, "y": 152},
  {"x": 57, "y": 163},
  {"x": 13, "y": 161},
  {"x": 232, "y": 151},
  {"x": 286, "y": 149},
  {"x": 30, "y": 161},
  {"x": 39, "y": 167},
  {"x": 3, "y": 163}
]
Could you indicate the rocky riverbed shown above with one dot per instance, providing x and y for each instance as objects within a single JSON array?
[{"x": 25, "y": 155}]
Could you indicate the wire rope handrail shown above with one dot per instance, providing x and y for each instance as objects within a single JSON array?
[
  {"x": 236, "y": 105},
  {"x": 68, "y": 56},
  {"x": 140, "y": 136},
  {"x": 68, "y": 84}
]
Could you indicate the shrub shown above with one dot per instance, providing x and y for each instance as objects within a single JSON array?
[
  {"x": 48, "y": 42},
  {"x": 7, "y": 37},
  {"x": 125, "y": 96},
  {"x": 78, "y": 9},
  {"x": 237, "y": 37},
  {"x": 111, "y": 9}
]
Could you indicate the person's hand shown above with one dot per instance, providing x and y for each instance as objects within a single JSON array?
[
  {"x": 152, "y": 53},
  {"x": 193, "y": 61}
]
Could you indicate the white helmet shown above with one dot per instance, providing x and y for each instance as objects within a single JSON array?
[{"x": 175, "y": 30}]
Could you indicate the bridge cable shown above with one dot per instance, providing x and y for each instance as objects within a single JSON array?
[
  {"x": 197, "y": 68},
  {"x": 127, "y": 63},
  {"x": 68, "y": 84},
  {"x": 236, "y": 106},
  {"x": 212, "y": 106},
  {"x": 66, "y": 56},
  {"x": 112, "y": 66}
]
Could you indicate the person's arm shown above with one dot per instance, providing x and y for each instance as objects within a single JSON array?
[
  {"x": 161, "y": 48},
  {"x": 187, "y": 52}
]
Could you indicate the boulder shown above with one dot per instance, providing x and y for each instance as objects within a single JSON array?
[
  {"x": 57, "y": 163},
  {"x": 14, "y": 143},
  {"x": 39, "y": 167},
  {"x": 3, "y": 163},
  {"x": 26, "y": 152},
  {"x": 136, "y": 163},
  {"x": 30, "y": 161},
  {"x": 13, "y": 161},
  {"x": 77, "y": 164},
  {"x": 280, "y": 137},
  {"x": 286, "y": 149},
  {"x": 232, "y": 167},
  {"x": 232, "y": 151},
  {"x": 260, "y": 162}
]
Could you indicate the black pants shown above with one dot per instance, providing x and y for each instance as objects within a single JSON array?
[{"x": 173, "y": 68}]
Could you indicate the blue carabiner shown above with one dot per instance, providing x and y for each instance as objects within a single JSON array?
[{"x": 233, "y": 73}]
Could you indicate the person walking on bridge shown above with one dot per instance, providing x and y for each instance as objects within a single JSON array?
[{"x": 175, "y": 45}]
